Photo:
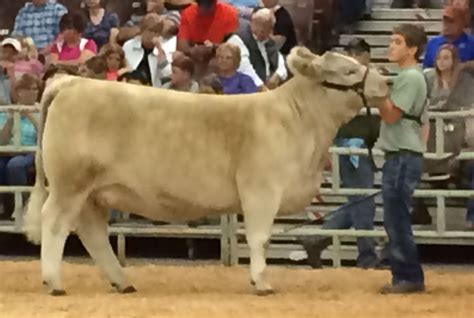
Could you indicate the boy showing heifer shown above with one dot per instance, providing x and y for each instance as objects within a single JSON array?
[{"x": 403, "y": 136}]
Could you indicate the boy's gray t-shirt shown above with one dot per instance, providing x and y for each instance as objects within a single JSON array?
[{"x": 408, "y": 94}]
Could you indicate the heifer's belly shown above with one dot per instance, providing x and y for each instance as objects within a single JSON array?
[{"x": 160, "y": 206}]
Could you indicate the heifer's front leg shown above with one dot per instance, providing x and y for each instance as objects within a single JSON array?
[
  {"x": 57, "y": 217},
  {"x": 92, "y": 231},
  {"x": 260, "y": 208}
]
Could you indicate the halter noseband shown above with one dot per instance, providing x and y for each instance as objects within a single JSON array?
[{"x": 357, "y": 87}]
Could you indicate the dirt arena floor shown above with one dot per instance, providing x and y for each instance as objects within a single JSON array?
[{"x": 214, "y": 291}]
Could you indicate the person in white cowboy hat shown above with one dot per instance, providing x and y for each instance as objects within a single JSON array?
[{"x": 10, "y": 49}]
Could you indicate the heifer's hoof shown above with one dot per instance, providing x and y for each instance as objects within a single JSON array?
[
  {"x": 264, "y": 292},
  {"x": 45, "y": 283},
  {"x": 252, "y": 282},
  {"x": 58, "y": 292},
  {"x": 128, "y": 290}
]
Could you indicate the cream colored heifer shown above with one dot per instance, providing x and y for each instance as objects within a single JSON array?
[{"x": 169, "y": 156}]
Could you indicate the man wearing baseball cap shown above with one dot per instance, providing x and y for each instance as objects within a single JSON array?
[{"x": 453, "y": 33}]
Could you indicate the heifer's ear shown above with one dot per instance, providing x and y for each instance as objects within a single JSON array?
[{"x": 301, "y": 61}]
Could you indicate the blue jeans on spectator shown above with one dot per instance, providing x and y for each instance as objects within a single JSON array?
[
  {"x": 401, "y": 175},
  {"x": 14, "y": 170},
  {"x": 360, "y": 215},
  {"x": 470, "y": 179},
  {"x": 351, "y": 10}
]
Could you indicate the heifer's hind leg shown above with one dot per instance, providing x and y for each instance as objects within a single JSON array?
[
  {"x": 92, "y": 231},
  {"x": 260, "y": 208},
  {"x": 58, "y": 215}
]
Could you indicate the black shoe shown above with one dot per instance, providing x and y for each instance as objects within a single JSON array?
[
  {"x": 314, "y": 246},
  {"x": 403, "y": 288}
]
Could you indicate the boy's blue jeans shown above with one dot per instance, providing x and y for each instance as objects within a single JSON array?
[{"x": 401, "y": 175}]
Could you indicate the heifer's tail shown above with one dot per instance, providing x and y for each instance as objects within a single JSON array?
[{"x": 32, "y": 219}]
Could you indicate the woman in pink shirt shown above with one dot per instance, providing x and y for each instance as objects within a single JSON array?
[{"x": 70, "y": 47}]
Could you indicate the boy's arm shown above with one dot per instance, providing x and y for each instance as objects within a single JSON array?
[
  {"x": 390, "y": 113},
  {"x": 404, "y": 94}
]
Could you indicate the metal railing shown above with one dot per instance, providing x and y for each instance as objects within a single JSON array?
[{"x": 230, "y": 229}]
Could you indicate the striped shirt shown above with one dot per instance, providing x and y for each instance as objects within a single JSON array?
[{"x": 41, "y": 23}]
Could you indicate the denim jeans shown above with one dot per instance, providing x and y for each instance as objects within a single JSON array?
[
  {"x": 351, "y": 10},
  {"x": 470, "y": 179},
  {"x": 14, "y": 170},
  {"x": 360, "y": 215},
  {"x": 401, "y": 175}
]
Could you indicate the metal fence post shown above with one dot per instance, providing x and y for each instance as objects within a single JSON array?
[
  {"x": 439, "y": 136},
  {"x": 121, "y": 247},
  {"x": 336, "y": 177},
  {"x": 440, "y": 215},
  {"x": 336, "y": 251}
]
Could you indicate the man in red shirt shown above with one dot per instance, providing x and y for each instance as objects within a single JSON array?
[{"x": 205, "y": 23}]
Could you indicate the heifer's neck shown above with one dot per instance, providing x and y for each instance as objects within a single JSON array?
[{"x": 324, "y": 109}]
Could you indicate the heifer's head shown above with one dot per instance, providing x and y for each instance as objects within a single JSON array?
[{"x": 338, "y": 71}]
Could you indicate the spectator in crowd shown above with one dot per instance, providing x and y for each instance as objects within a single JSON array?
[
  {"x": 27, "y": 62},
  {"x": 260, "y": 57},
  {"x": 403, "y": 136},
  {"x": 132, "y": 27},
  {"x": 244, "y": 7},
  {"x": 468, "y": 170},
  {"x": 115, "y": 59},
  {"x": 172, "y": 19},
  {"x": 464, "y": 6},
  {"x": 54, "y": 69},
  {"x": 210, "y": 84},
  {"x": 205, "y": 24},
  {"x": 147, "y": 54},
  {"x": 441, "y": 79},
  {"x": 233, "y": 81},
  {"x": 284, "y": 33},
  {"x": 102, "y": 26},
  {"x": 10, "y": 49},
  {"x": 39, "y": 20},
  {"x": 134, "y": 77},
  {"x": 95, "y": 67},
  {"x": 356, "y": 172},
  {"x": 411, "y": 4},
  {"x": 14, "y": 169},
  {"x": 182, "y": 75},
  {"x": 453, "y": 33},
  {"x": 350, "y": 12},
  {"x": 71, "y": 48}
]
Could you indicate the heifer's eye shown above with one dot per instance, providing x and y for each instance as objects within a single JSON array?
[{"x": 351, "y": 72}]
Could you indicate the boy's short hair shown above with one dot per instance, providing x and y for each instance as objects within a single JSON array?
[
  {"x": 184, "y": 63},
  {"x": 97, "y": 64},
  {"x": 357, "y": 46},
  {"x": 414, "y": 36}
]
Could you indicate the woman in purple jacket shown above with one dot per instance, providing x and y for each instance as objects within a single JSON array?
[{"x": 228, "y": 61}]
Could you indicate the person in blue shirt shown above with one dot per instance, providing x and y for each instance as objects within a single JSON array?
[
  {"x": 233, "y": 81},
  {"x": 14, "y": 168},
  {"x": 453, "y": 33}
]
